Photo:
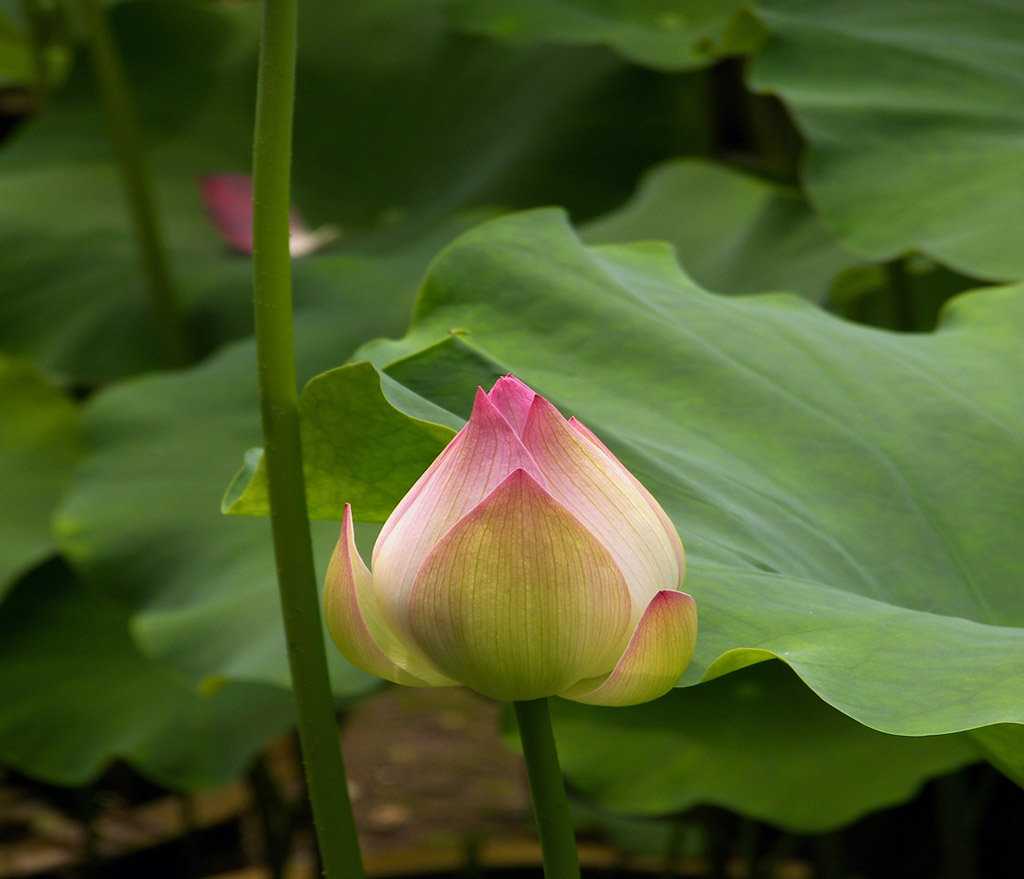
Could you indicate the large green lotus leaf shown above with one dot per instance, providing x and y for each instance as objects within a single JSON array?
[
  {"x": 842, "y": 492},
  {"x": 755, "y": 742},
  {"x": 143, "y": 519},
  {"x": 384, "y": 91},
  {"x": 79, "y": 694},
  {"x": 373, "y": 483},
  {"x": 668, "y": 35},
  {"x": 914, "y": 113},
  {"x": 38, "y": 447},
  {"x": 735, "y": 233}
]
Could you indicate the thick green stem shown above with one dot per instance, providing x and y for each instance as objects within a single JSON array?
[
  {"x": 554, "y": 822},
  {"x": 318, "y": 728},
  {"x": 135, "y": 178}
]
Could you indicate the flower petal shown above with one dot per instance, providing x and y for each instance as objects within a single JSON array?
[
  {"x": 666, "y": 522},
  {"x": 512, "y": 399},
  {"x": 480, "y": 456},
  {"x": 228, "y": 201},
  {"x": 658, "y": 653},
  {"x": 519, "y": 600},
  {"x": 355, "y": 624},
  {"x": 592, "y": 484}
]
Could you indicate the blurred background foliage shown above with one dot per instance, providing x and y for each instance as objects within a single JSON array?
[{"x": 866, "y": 156}]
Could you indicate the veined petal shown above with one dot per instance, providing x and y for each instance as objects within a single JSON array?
[
  {"x": 666, "y": 522},
  {"x": 518, "y": 600},
  {"x": 658, "y": 653},
  {"x": 512, "y": 399},
  {"x": 588, "y": 480},
  {"x": 355, "y": 624},
  {"x": 483, "y": 453}
]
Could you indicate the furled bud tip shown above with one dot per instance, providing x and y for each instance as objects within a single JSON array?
[{"x": 526, "y": 562}]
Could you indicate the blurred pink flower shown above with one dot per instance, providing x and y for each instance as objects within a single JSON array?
[{"x": 228, "y": 201}]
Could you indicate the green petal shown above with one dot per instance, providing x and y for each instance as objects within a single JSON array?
[
  {"x": 355, "y": 624},
  {"x": 475, "y": 462},
  {"x": 519, "y": 599},
  {"x": 657, "y": 655}
]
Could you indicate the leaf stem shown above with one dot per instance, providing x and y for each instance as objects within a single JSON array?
[
  {"x": 901, "y": 295},
  {"x": 317, "y": 725},
  {"x": 554, "y": 822},
  {"x": 135, "y": 178}
]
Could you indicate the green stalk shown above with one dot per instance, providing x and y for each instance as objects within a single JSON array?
[
  {"x": 554, "y": 822},
  {"x": 135, "y": 178},
  {"x": 901, "y": 296},
  {"x": 318, "y": 727}
]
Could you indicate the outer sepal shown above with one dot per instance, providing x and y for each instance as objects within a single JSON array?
[
  {"x": 355, "y": 624},
  {"x": 658, "y": 653}
]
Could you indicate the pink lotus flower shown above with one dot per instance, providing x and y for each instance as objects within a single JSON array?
[
  {"x": 228, "y": 201},
  {"x": 526, "y": 562}
]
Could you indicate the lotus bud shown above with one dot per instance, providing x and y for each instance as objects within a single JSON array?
[{"x": 526, "y": 562}]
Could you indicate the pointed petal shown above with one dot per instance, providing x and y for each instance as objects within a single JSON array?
[
  {"x": 666, "y": 522},
  {"x": 519, "y": 600},
  {"x": 512, "y": 399},
  {"x": 355, "y": 625},
  {"x": 482, "y": 454},
  {"x": 592, "y": 484},
  {"x": 657, "y": 655}
]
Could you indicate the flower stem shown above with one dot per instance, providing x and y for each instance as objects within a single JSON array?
[
  {"x": 135, "y": 178},
  {"x": 554, "y": 822},
  {"x": 318, "y": 728},
  {"x": 901, "y": 295}
]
